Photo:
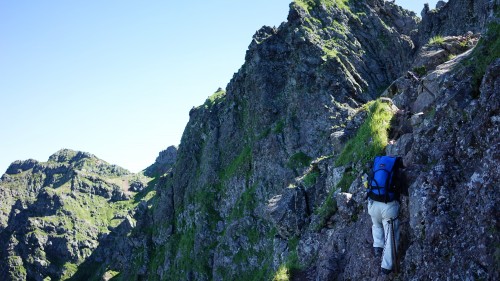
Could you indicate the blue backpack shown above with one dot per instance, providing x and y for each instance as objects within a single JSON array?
[{"x": 381, "y": 182}]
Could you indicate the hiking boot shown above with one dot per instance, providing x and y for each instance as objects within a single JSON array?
[
  {"x": 377, "y": 251},
  {"x": 383, "y": 277},
  {"x": 386, "y": 271}
]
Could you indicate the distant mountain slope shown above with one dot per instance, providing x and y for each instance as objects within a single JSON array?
[{"x": 54, "y": 213}]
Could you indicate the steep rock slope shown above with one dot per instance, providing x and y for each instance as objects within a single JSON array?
[
  {"x": 286, "y": 106},
  {"x": 54, "y": 213},
  {"x": 265, "y": 185}
]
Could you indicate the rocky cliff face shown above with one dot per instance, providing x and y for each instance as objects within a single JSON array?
[
  {"x": 301, "y": 82},
  {"x": 267, "y": 180}
]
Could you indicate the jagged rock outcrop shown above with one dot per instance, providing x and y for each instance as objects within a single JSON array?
[
  {"x": 455, "y": 18},
  {"x": 163, "y": 163},
  {"x": 440, "y": 50}
]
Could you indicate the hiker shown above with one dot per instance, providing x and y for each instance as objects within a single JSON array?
[{"x": 383, "y": 207}]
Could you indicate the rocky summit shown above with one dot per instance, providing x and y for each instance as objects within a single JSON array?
[{"x": 267, "y": 182}]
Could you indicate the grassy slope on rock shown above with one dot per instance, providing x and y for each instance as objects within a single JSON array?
[{"x": 371, "y": 138}]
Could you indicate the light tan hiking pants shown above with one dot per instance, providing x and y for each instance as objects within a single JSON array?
[{"x": 381, "y": 214}]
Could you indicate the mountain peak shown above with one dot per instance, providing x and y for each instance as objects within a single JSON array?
[{"x": 68, "y": 155}]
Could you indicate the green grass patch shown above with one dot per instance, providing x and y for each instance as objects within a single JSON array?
[
  {"x": 149, "y": 192},
  {"x": 181, "y": 245},
  {"x": 340, "y": 27},
  {"x": 293, "y": 257},
  {"x": 331, "y": 47},
  {"x": 309, "y": 5},
  {"x": 346, "y": 181},
  {"x": 18, "y": 271},
  {"x": 279, "y": 128},
  {"x": 326, "y": 210},
  {"x": 310, "y": 178},
  {"x": 330, "y": 53},
  {"x": 420, "y": 70},
  {"x": 253, "y": 235},
  {"x": 299, "y": 160},
  {"x": 89, "y": 271},
  {"x": 246, "y": 203},
  {"x": 242, "y": 163},
  {"x": 450, "y": 57},
  {"x": 69, "y": 269},
  {"x": 292, "y": 264},
  {"x": 111, "y": 275},
  {"x": 283, "y": 274},
  {"x": 186, "y": 242},
  {"x": 206, "y": 200},
  {"x": 216, "y": 97},
  {"x": 342, "y": 4},
  {"x": 464, "y": 45},
  {"x": 436, "y": 40},
  {"x": 157, "y": 258},
  {"x": 371, "y": 138}
]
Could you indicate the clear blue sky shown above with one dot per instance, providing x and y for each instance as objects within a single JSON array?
[{"x": 117, "y": 78}]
